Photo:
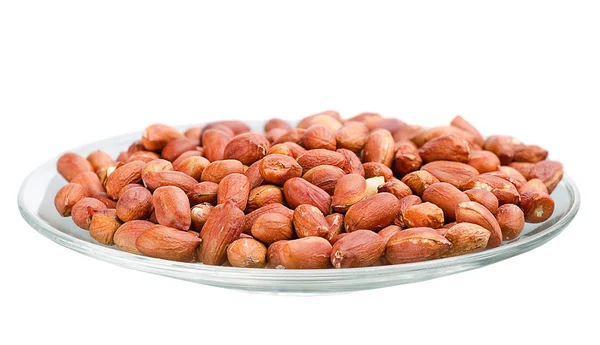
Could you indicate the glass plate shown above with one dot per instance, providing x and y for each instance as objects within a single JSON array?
[{"x": 36, "y": 204}]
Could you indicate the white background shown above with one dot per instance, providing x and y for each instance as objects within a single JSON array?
[{"x": 75, "y": 72}]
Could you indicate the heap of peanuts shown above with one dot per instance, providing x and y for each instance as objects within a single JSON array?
[{"x": 337, "y": 193}]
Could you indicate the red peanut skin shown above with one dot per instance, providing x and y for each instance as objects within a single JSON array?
[
  {"x": 223, "y": 226},
  {"x": 172, "y": 207}
]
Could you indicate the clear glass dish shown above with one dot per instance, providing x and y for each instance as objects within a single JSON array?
[{"x": 37, "y": 208}]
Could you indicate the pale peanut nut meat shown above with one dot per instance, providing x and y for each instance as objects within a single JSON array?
[
  {"x": 373, "y": 184},
  {"x": 269, "y": 188}
]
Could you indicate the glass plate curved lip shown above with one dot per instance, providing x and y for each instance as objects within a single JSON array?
[{"x": 212, "y": 275}]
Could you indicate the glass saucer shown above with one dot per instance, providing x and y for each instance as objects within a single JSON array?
[{"x": 36, "y": 205}]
